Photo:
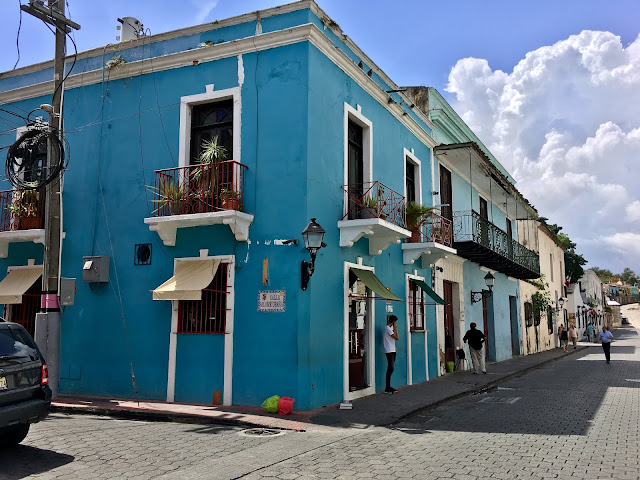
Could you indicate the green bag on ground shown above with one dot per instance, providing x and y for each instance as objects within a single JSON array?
[{"x": 271, "y": 404}]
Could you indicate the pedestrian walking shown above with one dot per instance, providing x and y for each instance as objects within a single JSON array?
[
  {"x": 591, "y": 332},
  {"x": 573, "y": 336},
  {"x": 564, "y": 338},
  {"x": 605, "y": 337},
  {"x": 390, "y": 337},
  {"x": 476, "y": 339}
]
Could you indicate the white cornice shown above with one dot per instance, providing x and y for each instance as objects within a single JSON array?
[
  {"x": 308, "y": 32},
  {"x": 182, "y": 32}
]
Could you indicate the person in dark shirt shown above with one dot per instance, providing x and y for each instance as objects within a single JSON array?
[{"x": 476, "y": 338}]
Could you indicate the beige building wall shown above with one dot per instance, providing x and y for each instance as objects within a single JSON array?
[{"x": 543, "y": 336}]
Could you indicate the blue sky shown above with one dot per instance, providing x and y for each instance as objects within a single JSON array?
[
  {"x": 551, "y": 87},
  {"x": 414, "y": 41}
]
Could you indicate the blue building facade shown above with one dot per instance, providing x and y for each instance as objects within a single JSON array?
[{"x": 204, "y": 301}]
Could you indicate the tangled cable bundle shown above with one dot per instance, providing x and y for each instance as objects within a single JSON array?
[{"x": 27, "y": 164}]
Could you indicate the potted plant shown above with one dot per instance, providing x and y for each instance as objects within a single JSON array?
[
  {"x": 24, "y": 209},
  {"x": 416, "y": 216},
  {"x": 230, "y": 199},
  {"x": 170, "y": 194},
  {"x": 369, "y": 207},
  {"x": 204, "y": 177}
]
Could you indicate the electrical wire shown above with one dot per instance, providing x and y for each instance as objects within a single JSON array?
[
  {"x": 18, "y": 35},
  {"x": 24, "y": 159}
]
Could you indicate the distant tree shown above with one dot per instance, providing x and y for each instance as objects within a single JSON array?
[
  {"x": 573, "y": 261},
  {"x": 602, "y": 272},
  {"x": 629, "y": 276}
]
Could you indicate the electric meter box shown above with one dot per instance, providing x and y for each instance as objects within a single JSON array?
[
  {"x": 95, "y": 269},
  {"x": 67, "y": 291}
]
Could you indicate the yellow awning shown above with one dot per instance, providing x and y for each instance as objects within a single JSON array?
[
  {"x": 191, "y": 276},
  {"x": 17, "y": 282}
]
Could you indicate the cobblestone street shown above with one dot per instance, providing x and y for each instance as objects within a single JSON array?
[{"x": 574, "y": 418}]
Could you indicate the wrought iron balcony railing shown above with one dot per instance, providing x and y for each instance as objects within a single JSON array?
[
  {"x": 201, "y": 188},
  {"x": 374, "y": 200},
  {"x": 470, "y": 227},
  {"x": 436, "y": 228},
  {"x": 21, "y": 209}
]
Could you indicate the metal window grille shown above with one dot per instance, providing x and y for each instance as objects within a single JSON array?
[
  {"x": 25, "y": 313},
  {"x": 209, "y": 314},
  {"x": 416, "y": 307},
  {"x": 528, "y": 314},
  {"x": 550, "y": 320}
]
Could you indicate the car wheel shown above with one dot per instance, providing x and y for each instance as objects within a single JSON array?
[{"x": 15, "y": 436}]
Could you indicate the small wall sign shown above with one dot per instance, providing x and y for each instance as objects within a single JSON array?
[{"x": 271, "y": 301}]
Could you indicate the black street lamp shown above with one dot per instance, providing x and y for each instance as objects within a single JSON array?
[
  {"x": 477, "y": 296},
  {"x": 312, "y": 236}
]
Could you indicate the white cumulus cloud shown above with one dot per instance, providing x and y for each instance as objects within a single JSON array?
[{"x": 566, "y": 123}]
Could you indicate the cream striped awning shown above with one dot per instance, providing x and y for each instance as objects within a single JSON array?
[
  {"x": 17, "y": 282},
  {"x": 190, "y": 277}
]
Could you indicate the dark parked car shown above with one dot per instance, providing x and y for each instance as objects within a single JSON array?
[{"x": 25, "y": 396}]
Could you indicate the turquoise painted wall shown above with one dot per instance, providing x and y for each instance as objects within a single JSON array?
[{"x": 292, "y": 136}]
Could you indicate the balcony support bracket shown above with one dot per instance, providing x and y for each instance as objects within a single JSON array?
[
  {"x": 430, "y": 252},
  {"x": 167, "y": 227},
  {"x": 381, "y": 233}
]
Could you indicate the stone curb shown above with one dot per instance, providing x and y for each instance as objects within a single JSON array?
[
  {"x": 155, "y": 416},
  {"x": 484, "y": 388}
]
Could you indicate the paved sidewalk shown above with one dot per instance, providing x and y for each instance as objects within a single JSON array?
[{"x": 378, "y": 410}]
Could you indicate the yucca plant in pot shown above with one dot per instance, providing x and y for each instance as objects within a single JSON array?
[
  {"x": 204, "y": 177},
  {"x": 170, "y": 195},
  {"x": 416, "y": 216},
  {"x": 24, "y": 209},
  {"x": 369, "y": 207}
]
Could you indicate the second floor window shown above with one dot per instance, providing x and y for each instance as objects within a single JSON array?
[
  {"x": 210, "y": 121},
  {"x": 416, "y": 307},
  {"x": 410, "y": 181}
]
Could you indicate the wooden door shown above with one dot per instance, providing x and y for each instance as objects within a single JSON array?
[
  {"x": 449, "y": 329},
  {"x": 355, "y": 167},
  {"x": 485, "y": 328},
  {"x": 446, "y": 195},
  {"x": 484, "y": 225},
  {"x": 510, "y": 238}
]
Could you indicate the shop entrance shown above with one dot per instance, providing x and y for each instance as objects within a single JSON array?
[{"x": 359, "y": 325}]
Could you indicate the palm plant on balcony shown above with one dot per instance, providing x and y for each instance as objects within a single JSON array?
[
  {"x": 231, "y": 199},
  {"x": 24, "y": 209},
  {"x": 416, "y": 216}
]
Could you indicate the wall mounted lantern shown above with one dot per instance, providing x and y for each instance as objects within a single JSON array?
[
  {"x": 560, "y": 304},
  {"x": 312, "y": 236},
  {"x": 477, "y": 296}
]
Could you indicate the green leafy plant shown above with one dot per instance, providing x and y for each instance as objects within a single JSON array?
[
  {"x": 369, "y": 202},
  {"x": 212, "y": 152},
  {"x": 231, "y": 199},
  {"x": 417, "y": 214},
  {"x": 170, "y": 194},
  {"x": 24, "y": 204},
  {"x": 542, "y": 298},
  {"x": 115, "y": 62}
]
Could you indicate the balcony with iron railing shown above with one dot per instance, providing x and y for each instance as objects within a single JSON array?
[
  {"x": 375, "y": 211},
  {"x": 22, "y": 215},
  {"x": 480, "y": 241},
  {"x": 431, "y": 240},
  {"x": 195, "y": 195}
]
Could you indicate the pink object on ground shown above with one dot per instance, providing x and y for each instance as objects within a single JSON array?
[{"x": 285, "y": 405}]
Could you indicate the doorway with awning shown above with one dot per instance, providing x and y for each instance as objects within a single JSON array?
[
  {"x": 20, "y": 293},
  {"x": 201, "y": 338},
  {"x": 363, "y": 287}
]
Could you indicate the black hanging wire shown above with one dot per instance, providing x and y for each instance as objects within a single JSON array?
[{"x": 27, "y": 166}]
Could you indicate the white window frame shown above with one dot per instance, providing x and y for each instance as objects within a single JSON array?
[
  {"x": 414, "y": 276},
  {"x": 355, "y": 115},
  {"x": 228, "y": 337},
  {"x": 210, "y": 96},
  {"x": 409, "y": 155}
]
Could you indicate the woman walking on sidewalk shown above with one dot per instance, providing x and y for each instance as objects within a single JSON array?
[
  {"x": 605, "y": 337},
  {"x": 564, "y": 339}
]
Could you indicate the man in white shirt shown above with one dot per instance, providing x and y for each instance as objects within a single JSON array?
[{"x": 389, "y": 339}]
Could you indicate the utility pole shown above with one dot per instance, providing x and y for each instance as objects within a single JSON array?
[{"x": 48, "y": 320}]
